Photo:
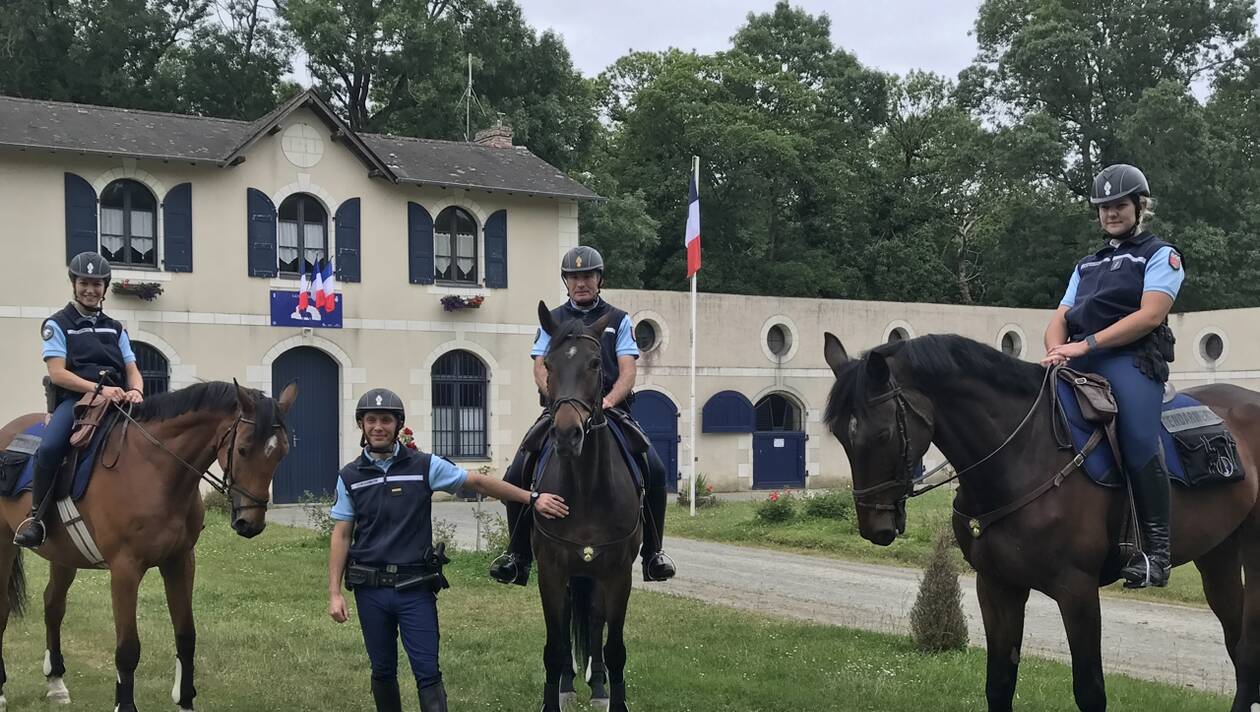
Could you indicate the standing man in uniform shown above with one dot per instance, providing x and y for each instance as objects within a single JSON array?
[{"x": 382, "y": 543}]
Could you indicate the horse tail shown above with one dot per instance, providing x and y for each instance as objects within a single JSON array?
[
  {"x": 17, "y": 586},
  {"x": 582, "y": 610}
]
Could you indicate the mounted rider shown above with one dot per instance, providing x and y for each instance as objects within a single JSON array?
[
  {"x": 1113, "y": 320},
  {"x": 582, "y": 270},
  {"x": 84, "y": 350}
]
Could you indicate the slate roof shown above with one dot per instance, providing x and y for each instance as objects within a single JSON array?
[{"x": 101, "y": 130}]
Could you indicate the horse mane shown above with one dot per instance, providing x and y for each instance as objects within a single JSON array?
[
  {"x": 937, "y": 362},
  {"x": 214, "y": 396}
]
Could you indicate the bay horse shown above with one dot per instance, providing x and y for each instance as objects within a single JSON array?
[
  {"x": 985, "y": 413},
  {"x": 143, "y": 508},
  {"x": 585, "y": 559}
]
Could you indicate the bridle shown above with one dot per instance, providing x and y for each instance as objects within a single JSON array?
[
  {"x": 592, "y": 414},
  {"x": 905, "y": 479}
]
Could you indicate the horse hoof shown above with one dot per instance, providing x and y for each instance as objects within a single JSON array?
[
  {"x": 567, "y": 698},
  {"x": 600, "y": 704},
  {"x": 57, "y": 692}
]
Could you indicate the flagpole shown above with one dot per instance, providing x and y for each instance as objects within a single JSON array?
[{"x": 695, "y": 173}]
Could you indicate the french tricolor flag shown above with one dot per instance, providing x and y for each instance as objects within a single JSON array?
[
  {"x": 329, "y": 281},
  {"x": 693, "y": 224},
  {"x": 304, "y": 299},
  {"x": 317, "y": 287}
]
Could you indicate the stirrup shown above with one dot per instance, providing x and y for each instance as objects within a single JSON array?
[
  {"x": 509, "y": 568},
  {"x": 33, "y": 522},
  {"x": 1147, "y": 580},
  {"x": 664, "y": 562}
]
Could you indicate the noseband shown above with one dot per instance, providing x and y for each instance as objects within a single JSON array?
[
  {"x": 586, "y": 410},
  {"x": 227, "y": 485},
  {"x": 904, "y": 481}
]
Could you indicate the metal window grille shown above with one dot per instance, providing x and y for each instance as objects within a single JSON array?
[
  {"x": 154, "y": 368},
  {"x": 459, "y": 406}
]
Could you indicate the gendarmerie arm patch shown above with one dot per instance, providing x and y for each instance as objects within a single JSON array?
[
  {"x": 46, "y": 332},
  {"x": 1174, "y": 260}
]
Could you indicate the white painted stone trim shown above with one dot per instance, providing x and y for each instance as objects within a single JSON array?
[
  {"x": 794, "y": 338},
  {"x": 1198, "y": 353},
  {"x": 662, "y": 328},
  {"x": 498, "y": 439},
  {"x": 181, "y": 375},
  {"x": 1019, "y": 331},
  {"x": 895, "y": 323}
]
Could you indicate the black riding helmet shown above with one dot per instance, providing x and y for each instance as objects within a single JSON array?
[
  {"x": 89, "y": 265},
  {"x": 381, "y": 400},
  {"x": 1117, "y": 181},
  {"x": 583, "y": 258}
]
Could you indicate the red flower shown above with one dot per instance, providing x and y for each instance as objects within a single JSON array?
[
  {"x": 407, "y": 431},
  {"x": 411, "y": 445},
  {"x": 708, "y": 489},
  {"x": 774, "y": 496}
]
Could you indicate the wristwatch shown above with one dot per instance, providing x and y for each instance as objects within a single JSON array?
[
  {"x": 533, "y": 498},
  {"x": 1091, "y": 341}
]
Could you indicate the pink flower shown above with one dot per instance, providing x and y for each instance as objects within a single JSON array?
[{"x": 774, "y": 496}]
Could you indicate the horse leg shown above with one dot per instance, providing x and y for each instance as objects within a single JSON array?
[
  {"x": 177, "y": 575},
  {"x": 553, "y": 588},
  {"x": 1247, "y": 652},
  {"x": 124, "y": 584},
  {"x": 1002, "y": 608},
  {"x": 12, "y": 594},
  {"x": 1221, "y": 570},
  {"x": 568, "y": 693},
  {"x": 1082, "y": 619},
  {"x": 598, "y": 671},
  {"x": 60, "y": 577},
  {"x": 613, "y": 604}
]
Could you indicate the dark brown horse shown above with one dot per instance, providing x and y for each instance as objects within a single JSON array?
[
  {"x": 145, "y": 510},
  {"x": 585, "y": 559},
  {"x": 968, "y": 399}
]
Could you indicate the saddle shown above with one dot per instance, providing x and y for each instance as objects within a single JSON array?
[{"x": 631, "y": 440}]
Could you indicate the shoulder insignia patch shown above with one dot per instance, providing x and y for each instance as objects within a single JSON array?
[
  {"x": 46, "y": 332},
  {"x": 1174, "y": 260}
]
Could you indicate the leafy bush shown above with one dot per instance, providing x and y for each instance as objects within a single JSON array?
[
  {"x": 830, "y": 504},
  {"x": 494, "y": 530},
  {"x": 216, "y": 501},
  {"x": 777, "y": 508},
  {"x": 317, "y": 511},
  {"x": 937, "y": 621},
  {"x": 444, "y": 533}
]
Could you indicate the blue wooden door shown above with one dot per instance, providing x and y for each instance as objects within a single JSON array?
[
  {"x": 659, "y": 418},
  {"x": 778, "y": 459},
  {"x": 311, "y": 465}
]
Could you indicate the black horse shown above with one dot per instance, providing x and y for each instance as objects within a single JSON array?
[
  {"x": 584, "y": 560},
  {"x": 1053, "y": 530}
]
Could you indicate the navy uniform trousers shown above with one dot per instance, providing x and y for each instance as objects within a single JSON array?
[{"x": 383, "y": 613}]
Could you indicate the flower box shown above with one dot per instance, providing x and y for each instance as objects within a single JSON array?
[
  {"x": 455, "y": 302},
  {"x": 148, "y": 291}
]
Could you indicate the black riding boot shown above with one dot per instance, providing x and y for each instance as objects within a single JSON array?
[
  {"x": 385, "y": 694},
  {"x": 657, "y": 566},
  {"x": 1152, "y": 565},
  {"x": 512, "y": 566},
  {"x": 31, "y": 532},
  {"x": 433, "y": 698}
]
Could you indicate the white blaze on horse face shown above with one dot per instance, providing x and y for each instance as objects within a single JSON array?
[
  {"x": 571, "y": 352},
  {"x": 270, "y": 447},
  {"x": 852, "y": 428}
]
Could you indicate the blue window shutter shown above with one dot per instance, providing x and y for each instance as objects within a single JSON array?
[
  {"x": 496, "y": 250},
  {"x": 81, "y": 233},
  {"x": 261, "y": 234},
  {"x": 728, "y": 412},
  {"x": 419, "y": 244},
  {"x": 177, "y": 226},
  {"x": 348, "y": 241}
]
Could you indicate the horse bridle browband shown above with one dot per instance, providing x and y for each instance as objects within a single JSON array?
[{"x": 225, "y": 485}]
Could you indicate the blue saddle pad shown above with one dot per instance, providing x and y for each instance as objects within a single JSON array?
[
  {"x": 82, "y": 472},
  {"x": 1101, "y": 464},
  {"x": 636, "y": 471}
]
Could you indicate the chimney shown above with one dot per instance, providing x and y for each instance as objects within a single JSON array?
[{"x": 497, "y": 136}]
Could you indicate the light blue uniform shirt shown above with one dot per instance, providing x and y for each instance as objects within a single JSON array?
[
  {"x": 444, "y": 476},
  {"x": 1159, "y": 277},
  {"x": 55, "y": 347},
  {"x": 626, "y": 345}
]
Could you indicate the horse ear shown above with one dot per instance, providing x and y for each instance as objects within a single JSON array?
[
  {"x": 244, "y": 399},
  {"x": 834, "y": 353},
  {"x": 288, "y": 396},
  {"x": 544, "y": 318},
  {"x": 877, "y": 368}
]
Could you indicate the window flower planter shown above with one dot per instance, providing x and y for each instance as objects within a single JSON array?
[
  {"x": 147, "y": 291},
  {"x": 455, "y": 302}
]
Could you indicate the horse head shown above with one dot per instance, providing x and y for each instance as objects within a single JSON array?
[
  {"x": 574, "y": 379},
  {"x": 249, "y": 453},
  {"x": 885, "y": 426}
]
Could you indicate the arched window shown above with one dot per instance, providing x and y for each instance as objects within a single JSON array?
[
  {"x": 154, "y": 368},
  {"x": 459, "y": 406},
  {"x": 778, "y": 412},
  {"x": 455, "y": 246},
  {"x": 302, "y": 240},
  {"x": 128, "y": 224}
]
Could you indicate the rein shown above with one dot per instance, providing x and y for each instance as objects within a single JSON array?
[{"x": 224, "y": 486}]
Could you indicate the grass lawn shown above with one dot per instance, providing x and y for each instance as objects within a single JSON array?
[
  {"x": 737, "y": 523},
  {"x": 266, "y": 643}
]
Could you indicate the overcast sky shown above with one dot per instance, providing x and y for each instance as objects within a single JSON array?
[{"x": 891, "y": 35}]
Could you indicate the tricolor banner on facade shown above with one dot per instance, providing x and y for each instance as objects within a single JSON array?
[{"x": 315, "y": 304}]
